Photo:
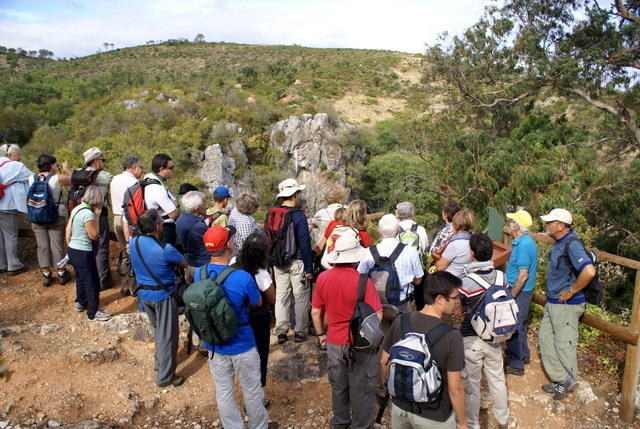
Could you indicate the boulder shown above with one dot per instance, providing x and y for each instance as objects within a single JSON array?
[{"x": 136, "y": 323}]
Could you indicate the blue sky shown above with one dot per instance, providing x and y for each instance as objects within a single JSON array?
[{"x": 72, "y": 28}]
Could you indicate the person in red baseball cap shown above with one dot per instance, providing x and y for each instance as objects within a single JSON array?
[{"x": 239, "y": 355}]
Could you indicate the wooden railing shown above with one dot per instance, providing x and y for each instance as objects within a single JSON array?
[{"x": 627, "y": 334}]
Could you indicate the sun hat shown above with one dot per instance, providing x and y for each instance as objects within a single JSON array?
[
  {"x": 522, "y": 217},
  {"x": 289, "y": 187},
  {"x": 345, "y": 249},
  {"x": 91, "y": 154},
  {"x": 221, "y": 191},
  {"x": 560, "y": 215},
  {"x": 217, "y": 236}
]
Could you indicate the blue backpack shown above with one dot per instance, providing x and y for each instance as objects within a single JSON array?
[
  {"x": 40, "y": 205},
  {"x": 384, "y": 275}
]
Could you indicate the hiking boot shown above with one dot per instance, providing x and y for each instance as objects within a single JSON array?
[
  {"x": 549, "y": 388},
  {"x": 101, "y": 316},
  {"x": 564, "y": 388},
  {"x": 282, "y": 338},
  {"x": 64, "y": 278},
  {"x": 177, "y": 380},
  {"x": 527, "y": 360},
  {"x": 299, "y": 337},
  {"x": 24, "y": 269},
  {"x": 513, "y": 371},
  {"x": 46, "y": 280},
  {"x": 273, "y": 425},
  {"x": 80, "y": 307}
]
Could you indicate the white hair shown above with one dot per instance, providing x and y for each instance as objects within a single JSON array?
[
  {"x": 192, "y": 200},
  {"x": 9, "y": 149},
  {"x": 405, "y": 210},
  {"x": 388, "y": 226},
  {"x": 523, "y": 229}
]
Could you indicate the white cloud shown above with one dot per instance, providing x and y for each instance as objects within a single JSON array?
[{"x": 404, "y": 25}]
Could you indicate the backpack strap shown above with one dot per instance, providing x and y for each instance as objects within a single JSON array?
[
  {"x": 405, "y": 323},
  {"x": 565, "y": 254},
  {"x": 362, "y": 285},
  {"x": 74, "y": 215},
  {"x": 5, "y": 162},
  {"x": 482, "y": 282},
  {"x": 396, "y": 252},
  {"x": 160, "y": 285},
  {"x": 414, "y": 227},
  {"x": 437, "y": 333},
  {"x": 375, "y": 254}
]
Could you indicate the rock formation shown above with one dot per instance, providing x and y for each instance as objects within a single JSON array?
[{"x": 314, "y": 154}]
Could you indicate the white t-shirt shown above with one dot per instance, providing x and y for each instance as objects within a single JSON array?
[
  {"x": 422, "y": 233},
  {"x": 119, "y": 185},
  {"x": 158, "y": 197},
  {"x": 263, "y": 280},
  {"x": 459, "y": 253},
  {"x": 56, "y": 193}
]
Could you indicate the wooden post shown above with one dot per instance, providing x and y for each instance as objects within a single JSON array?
[{"x": 632, "y": 362}]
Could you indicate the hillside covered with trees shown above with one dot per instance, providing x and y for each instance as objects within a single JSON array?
[{"x": 536, "y": 105}]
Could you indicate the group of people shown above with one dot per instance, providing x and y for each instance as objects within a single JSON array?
[{"x": 277, "y": 265}]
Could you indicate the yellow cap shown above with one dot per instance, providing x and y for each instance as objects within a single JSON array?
[{"x": 522, "y": 217}]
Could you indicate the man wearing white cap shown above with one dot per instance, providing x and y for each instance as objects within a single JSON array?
[
  {"x": 94, "y": 160},
  {"x": 521, "y": 277},
  {"x": 352, "y": 373},
  {"x": 566, "y": 277},
  {"x": 290, "y": 277}
]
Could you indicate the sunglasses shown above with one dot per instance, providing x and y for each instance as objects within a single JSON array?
[{"x": 171, "y": 167}]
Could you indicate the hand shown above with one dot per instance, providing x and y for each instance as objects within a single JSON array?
[
  {"x": 565, "y": 295},
  {"x": 308, "y": 276},
  {"x": 322, "y": 340}
]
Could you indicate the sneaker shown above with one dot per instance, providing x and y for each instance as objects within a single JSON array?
[
  {"x": 513, "y": 371},
  {"x": 46, "y": 280},
  {"x": 564, "y": 388},
  {"x": 24, "y": 269},
  {"x": 282, "y": 338},
  {"x": 64, "y": 278},
  {"x": 101, "y": 316},
  {"x": 177, "y": 380},
  {"x": 80, "y": 307},
  {"x": 299, "y": 337},
  {"x": 549, "y": 388}
]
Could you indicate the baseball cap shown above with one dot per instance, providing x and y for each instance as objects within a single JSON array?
[
  {"x": 560, "y": 215},
  {"x": 217, "y": 236},
  {"x": 221, "y": 191},
  {"x": 522, "y": 217}
]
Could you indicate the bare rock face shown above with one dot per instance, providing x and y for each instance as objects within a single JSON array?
[
  {"x": 219, "y": 169},
  {"x": 313, "y": 152}
]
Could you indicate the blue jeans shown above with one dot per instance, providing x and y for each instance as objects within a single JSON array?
[{"x": 517, "y": 346}]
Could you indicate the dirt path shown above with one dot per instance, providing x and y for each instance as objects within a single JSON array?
[{"x": 63, "y": 369}]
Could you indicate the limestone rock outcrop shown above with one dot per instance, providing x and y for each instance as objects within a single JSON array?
[{"x": 313, "y": 153}]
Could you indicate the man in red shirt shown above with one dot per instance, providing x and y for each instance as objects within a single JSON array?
[{"x": 352, "y": 374}]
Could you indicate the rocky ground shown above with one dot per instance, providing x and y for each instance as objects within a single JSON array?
[{"x": 64, "y": 371}]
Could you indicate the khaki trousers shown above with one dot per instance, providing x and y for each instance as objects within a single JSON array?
[
  {"x": 291, "y": 290},
  {"x": 558, "y": 340},
  {"x": 481, "y": 357}
]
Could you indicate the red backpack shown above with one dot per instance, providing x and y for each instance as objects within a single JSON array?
[
  {"x": 278, "y": 226},
  {"x": 133, "y": 203},
  {"x": 2, "y": 185}
]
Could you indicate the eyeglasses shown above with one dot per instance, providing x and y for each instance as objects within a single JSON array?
[
  {"x": 458, "y": 297},
  {"x": 170, "y": 167}
]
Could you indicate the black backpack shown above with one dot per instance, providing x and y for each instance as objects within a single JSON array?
[
  {"x": 365, "y": 329},
  {"x": 80, "y": 180},
  {"x": 278, "y": 226},
  {"x": 593, "y": 290}
]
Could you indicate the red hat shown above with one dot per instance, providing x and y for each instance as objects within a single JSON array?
[{"x": 216, "y": 237}]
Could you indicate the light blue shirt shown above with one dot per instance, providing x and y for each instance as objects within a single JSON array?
[
  {"x": 15, "y": 196},
  {"x": 524, "y": 254},
  {"x": 80, "y": 215},
  {"x": 407, "y": 265}
]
